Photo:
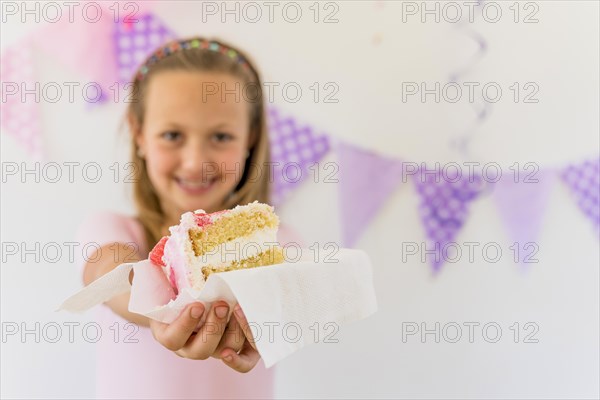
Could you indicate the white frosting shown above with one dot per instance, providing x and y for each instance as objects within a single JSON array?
[
  {"x": 178, "y": 251},
  {"x": 237, "y": 249}
]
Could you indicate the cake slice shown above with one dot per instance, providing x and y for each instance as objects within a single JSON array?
[{"x": 202, "y": 244}]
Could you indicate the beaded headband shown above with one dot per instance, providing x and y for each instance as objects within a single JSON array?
[{"x": 176, "y": 46}]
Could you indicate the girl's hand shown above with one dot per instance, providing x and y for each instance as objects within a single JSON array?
[
  {"x": 247, "y": 358},
  {"x": 216, "y": 337}
]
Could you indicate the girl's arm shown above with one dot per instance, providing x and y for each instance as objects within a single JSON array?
[
  {"x": 218, "y": 337},
  {"x": 106, "y": 259}
]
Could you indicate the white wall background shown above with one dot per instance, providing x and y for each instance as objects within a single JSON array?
[{"x": 560, "y": 294}]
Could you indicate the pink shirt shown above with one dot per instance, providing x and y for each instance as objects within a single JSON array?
[{"x": 131, "y": 364}]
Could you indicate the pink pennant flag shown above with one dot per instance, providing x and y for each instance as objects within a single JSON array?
[
  {"x": 366, "y": 181},
  {"x": 444, "y": 209},
  {"x": 584, "y": 181},
  {"x": 134, "y": 42},
  {"x": 522, "y": 206},
  {"x": 85, "y": 46},
  {"x": 19, "y": 107},
  {"x": 294, "y": 149}
]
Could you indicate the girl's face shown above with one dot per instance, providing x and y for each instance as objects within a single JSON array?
[{"x": 194, "y": 140}]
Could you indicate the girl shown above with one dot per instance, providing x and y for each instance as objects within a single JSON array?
[{"x": 198, "y": 131}]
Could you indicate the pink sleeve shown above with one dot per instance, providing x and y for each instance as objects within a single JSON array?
[{"x": 104, "y": 228}]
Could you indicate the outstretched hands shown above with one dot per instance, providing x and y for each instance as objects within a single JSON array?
[{"x": 223, "y": 335}]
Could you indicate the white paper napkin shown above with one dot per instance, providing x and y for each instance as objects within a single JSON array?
[{"x": 288, "y": 305}]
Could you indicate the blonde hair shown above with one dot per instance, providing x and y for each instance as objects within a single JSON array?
[{"x": 145, "y": 197}]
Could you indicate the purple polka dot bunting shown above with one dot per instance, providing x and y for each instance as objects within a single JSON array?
[
  {"x": 584, "y": 181},
  {"x": 294, "y": 148},
  {"x": 134, "y": 41},
  {"x": 444, "y": 208}
]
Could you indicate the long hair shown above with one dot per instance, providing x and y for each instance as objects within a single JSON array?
[{"x": 255, "y": 181}]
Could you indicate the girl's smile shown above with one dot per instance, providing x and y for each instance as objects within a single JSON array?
[{"x": 195, "y": 186}]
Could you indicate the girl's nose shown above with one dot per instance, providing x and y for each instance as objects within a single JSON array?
[{"x": 195, "y": 159}]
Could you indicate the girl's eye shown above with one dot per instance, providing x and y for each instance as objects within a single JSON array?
[
  {"x": 222, "y": 137},
  {"x": 171, "y": 136}
]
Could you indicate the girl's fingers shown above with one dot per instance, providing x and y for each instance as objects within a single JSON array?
[
  {"x": 175, "y": 335},
  {"x": 202, "y": 345},
  {"x": 244, "y": 361},
  {"x": 215, "y": 338},
  {"x": 243, "y": 323},
  {"x": 233, "y": 338}
]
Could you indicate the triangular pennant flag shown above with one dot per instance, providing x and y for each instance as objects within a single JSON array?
[
  {"x": 366, "y": 181},
  {"x": 20, "y": 116},
  {"x": 444, "y": 208},
  {"x": 522, "y": 205},
  {"x": 584, "y": 182},
  {"x": 134, "y": 42},
  {"x": 85, "y": 47},
  {"x": 294, "y": 148}
]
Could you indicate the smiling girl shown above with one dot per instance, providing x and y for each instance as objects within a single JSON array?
[{"x": 194, "y": 148}]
